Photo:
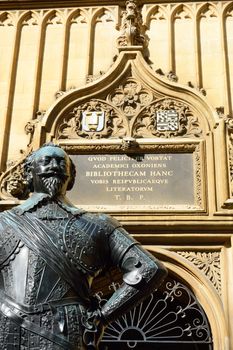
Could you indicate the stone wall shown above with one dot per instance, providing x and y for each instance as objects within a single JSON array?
[
  {"x": 44, "y": 51},
  {"x": 58, "y": 61}
]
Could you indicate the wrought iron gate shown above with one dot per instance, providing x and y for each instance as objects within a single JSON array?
[{"x": 171, "y": 318}]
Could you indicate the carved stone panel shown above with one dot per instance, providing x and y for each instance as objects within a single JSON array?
[
  {"x": 13, "y": 184},
  {"x": 208, "y": 263},
  {"x": 166, "y": 118},
  {"x": 130, "y": 97},
  {"x": 79, "y": 123},
  {"x": 130, "y": 111}
]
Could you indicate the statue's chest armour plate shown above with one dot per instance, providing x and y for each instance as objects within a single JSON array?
[
  {"x": 57, "y": 225},
  {"x": 55, "y": 218},
  {"x": 83, "y": 242}
]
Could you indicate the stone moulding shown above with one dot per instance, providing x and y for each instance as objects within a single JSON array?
[
  {"x": 229, "y": 125},
  {"x": 117, "y": 146},
  {"x": 228, "y": 131}
]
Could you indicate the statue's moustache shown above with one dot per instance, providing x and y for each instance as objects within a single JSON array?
[{"x": 62, "y": 176}]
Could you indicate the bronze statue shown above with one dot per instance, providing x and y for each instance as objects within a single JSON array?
[{"x": 50, "y": 251}]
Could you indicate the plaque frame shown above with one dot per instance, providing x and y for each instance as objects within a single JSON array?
[{"x": 150, "y": 146}]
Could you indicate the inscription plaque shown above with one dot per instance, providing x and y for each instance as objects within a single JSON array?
[{"x": 143, "y": 180}]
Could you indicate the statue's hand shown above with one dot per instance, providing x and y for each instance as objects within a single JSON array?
[{"x": 93, "y": 329}]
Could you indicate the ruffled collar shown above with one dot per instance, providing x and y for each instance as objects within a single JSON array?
[{"x": 37, "y": 198}]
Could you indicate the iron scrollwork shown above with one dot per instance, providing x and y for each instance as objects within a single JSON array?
[{"x": 173, "y": 316}]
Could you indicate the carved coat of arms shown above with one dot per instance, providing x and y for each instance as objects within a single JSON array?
[
  {"x": 167, "y": 120},
  {"x": 93, "y": 121}
]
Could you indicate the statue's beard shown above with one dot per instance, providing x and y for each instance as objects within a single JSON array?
[{"x": 53, "y": 184}]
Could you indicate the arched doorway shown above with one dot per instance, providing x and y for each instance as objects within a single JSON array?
[{"x": 171, "y": 318}]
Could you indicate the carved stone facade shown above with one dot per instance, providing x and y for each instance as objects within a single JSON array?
[
  {"x": 167, "y": 118},
  {"x": 208, "y": 263},
  {"x": 131, "y": 111},
  {"x": 134, "y": 79}
]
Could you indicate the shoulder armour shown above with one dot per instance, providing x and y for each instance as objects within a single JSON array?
[{"x": 108, "y": 223}]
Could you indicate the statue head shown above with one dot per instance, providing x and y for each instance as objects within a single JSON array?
[{"x": 49, "y": 170}]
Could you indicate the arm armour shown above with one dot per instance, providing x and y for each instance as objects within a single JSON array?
[{"x": 142, "y": 274}]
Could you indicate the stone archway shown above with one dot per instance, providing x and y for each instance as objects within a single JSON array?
[
  {"x": 185, "y": 312},
  {"x": 171, "y": 318}
]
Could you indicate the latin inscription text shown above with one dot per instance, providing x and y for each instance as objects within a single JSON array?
[{"x": 147, "y": 179}]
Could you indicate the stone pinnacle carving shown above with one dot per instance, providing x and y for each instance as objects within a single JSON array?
[{"x": 131, "y": 27}]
